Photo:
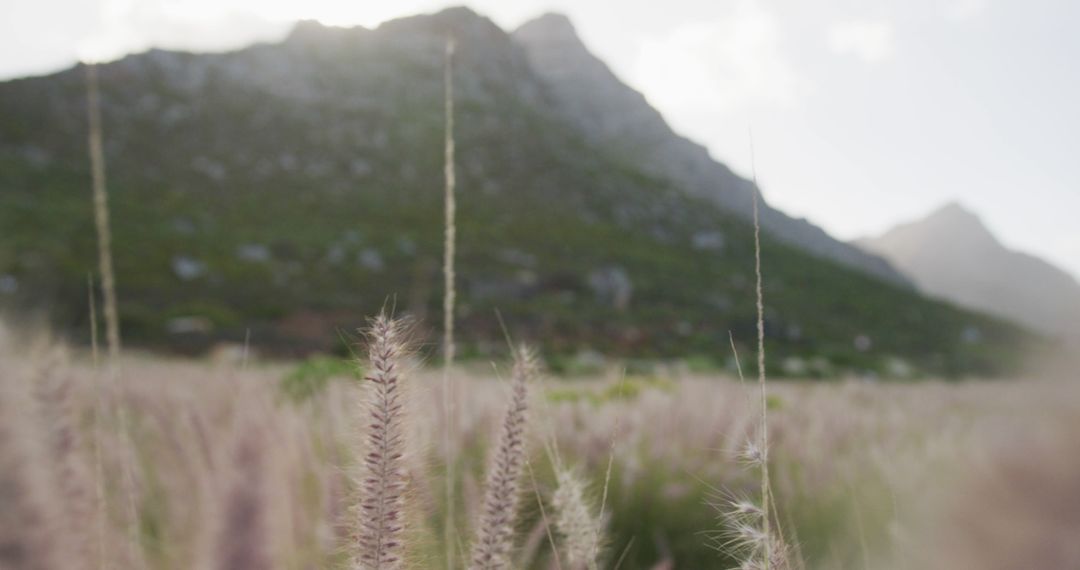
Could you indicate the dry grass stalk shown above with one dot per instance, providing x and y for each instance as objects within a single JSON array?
[
  {"x": 93, "y": 318},
  {"x": 99, "y": 414},
  {"x": 749, "y": 533},
  {"x": 494, "y": 537},
  {"x": 449, "y": 296},
  {"x": 382, "y": 485},
  {"x": 766, "y": 487},
  {"x": 108, "y": 278},
  {"x": 744, "y": 537},
  {"x": 450, "y": 237},
  {"x": 101, "y": 211},
  {"x": 543, "y": 514}
]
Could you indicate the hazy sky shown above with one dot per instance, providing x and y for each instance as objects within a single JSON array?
[{"x": 865, "y": 113}]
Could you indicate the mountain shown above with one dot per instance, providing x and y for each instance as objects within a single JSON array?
[
  {"x": 618, "y": 118},
  {"x": 291, "y": 189},
  {"x": 952, "y": 255}
]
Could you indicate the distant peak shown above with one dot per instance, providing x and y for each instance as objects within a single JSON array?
[
  {"x": 313, "y": 31},
  {"x": 954, "y": 209},
  {"x": 955, "y": 213},
  {"x": 551, "y": 21},
  {"x": 307, "y": 26},
  {"x": 458, "y": 12},
  {"x": 460, "y": 21},
  {"x": 306, "y": 30},
  {"x": 465, "y": 20},
  {"x": 952, "y": 222},
  {"x": 551, "y": 27}
]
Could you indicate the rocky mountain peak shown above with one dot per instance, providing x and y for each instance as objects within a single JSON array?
[
  {"x": 551, "y": 28},
  {"x": 461, "y": 22},
  {"x": 306, "y": 29},
  {"x": 314, "y": 34},
  {"x": 954, "y": 212},
  {"x": 619, "y": 119},
  {"x": 951, "y": 254},
  {"x": 953, "y": 225}
]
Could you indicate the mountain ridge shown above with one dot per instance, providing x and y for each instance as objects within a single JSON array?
[
  {"x": 619, "y": 117},
  {"x": 950, "y": 253},
  {"x": 290, "y": 188}
]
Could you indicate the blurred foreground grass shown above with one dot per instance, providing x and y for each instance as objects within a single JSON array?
[{"x": 922, "y": 475}]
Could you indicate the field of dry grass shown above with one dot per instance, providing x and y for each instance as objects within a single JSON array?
[{"x": 182, "y": 464}]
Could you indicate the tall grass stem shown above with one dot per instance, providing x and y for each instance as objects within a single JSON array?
[
  {"x": 765, "y": 483},
  {"x": 449, "y": 296},
  {"x": 101, "y": 211},
  {"x": 108, "y": 284}
]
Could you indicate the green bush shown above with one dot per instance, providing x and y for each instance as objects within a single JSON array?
[{"x": 311, "y": 376}]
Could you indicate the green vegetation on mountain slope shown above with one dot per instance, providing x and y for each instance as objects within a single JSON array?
[{"x": 292, "y": 189}]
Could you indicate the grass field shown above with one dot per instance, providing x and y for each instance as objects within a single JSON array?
[{"x": 239, "y": 463}]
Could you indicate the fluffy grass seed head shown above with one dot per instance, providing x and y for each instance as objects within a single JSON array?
[
  {"x": 494, "y": 536},
  {"x": 381, "y": 517},
  {"x": 575, "y": 521}
]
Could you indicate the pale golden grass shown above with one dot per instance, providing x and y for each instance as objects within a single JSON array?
[{"x": 232, "y": 474}]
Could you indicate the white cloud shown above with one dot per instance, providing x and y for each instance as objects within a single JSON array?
[
  {"x": 720, "y": 65},
  {"x": 868, "y": 40}
]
